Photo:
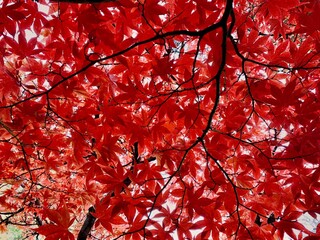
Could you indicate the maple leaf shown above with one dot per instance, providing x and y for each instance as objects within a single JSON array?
[
  {"x": 61, "y": 222},
  {"x": 309, "y": 23}
]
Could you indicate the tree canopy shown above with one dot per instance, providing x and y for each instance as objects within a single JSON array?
[{"x": 170, "y": 119}]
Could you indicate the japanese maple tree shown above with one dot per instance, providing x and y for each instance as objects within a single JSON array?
[{"x": 171, "y": 119}]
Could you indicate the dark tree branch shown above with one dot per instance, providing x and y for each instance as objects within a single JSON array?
[
  {"x": 90, "y": 219},
  {"x": 87, "y": 225}
]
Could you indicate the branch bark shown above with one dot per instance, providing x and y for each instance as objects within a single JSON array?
[
  {"x": 87, "y": 225},
  {"x": 90, "y": 219}
]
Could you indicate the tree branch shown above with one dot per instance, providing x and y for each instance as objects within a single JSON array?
[
  {"x": 87, "y": 225},
  {"x": 90, "y": 219}
]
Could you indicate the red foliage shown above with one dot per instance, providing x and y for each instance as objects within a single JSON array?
[
  {"x": 61, "y": 222},
  {"x": 169, "y": 119}
]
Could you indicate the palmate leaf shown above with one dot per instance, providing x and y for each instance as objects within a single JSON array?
[
  {"x": 51, "y": 232},
  {"x": 83, "y": 1},
  {"x": 61, "y": 222}
]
